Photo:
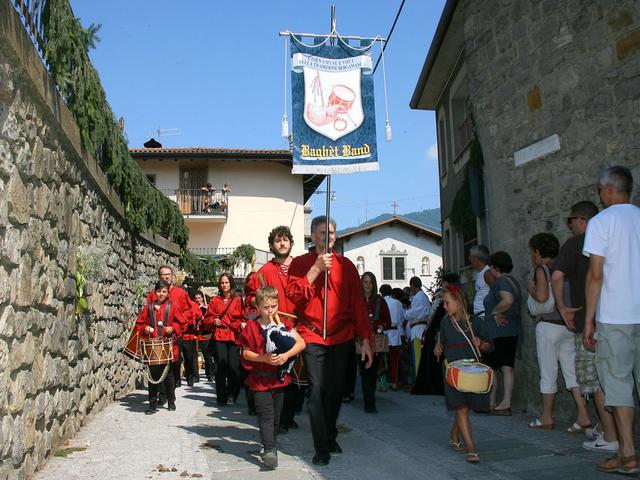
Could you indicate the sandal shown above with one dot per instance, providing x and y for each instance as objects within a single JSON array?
[
  {"x": 541, "y": 426},
  {"x": 503, "y": 412},
  {"x": 457, "y": 446},
  {"x": 617, "y": 465},
  {"x": 577, "y": 428},
  {"x": 473, "y": 457}
]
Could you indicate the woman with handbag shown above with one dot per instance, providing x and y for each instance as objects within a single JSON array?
[
  {"x": 502, "y": 318},
  {"x": 554, "y": 342},
  {"x": 379, "y": 320},
  {"x": 461, "y": 338}
]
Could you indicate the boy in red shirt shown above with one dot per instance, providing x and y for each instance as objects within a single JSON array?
[
  {"x": 263, "y": 380},
  {"x": 162, "y": 318}
]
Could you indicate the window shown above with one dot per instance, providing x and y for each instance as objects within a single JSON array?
[
  {"x": 152, "y": 178},
  {"x": 393, "y": 268},
  {"x": 426, "y": 266},
  {"x": 360, "y": 265}
]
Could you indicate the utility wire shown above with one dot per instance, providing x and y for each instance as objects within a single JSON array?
[{"x": 389, "y": 36}]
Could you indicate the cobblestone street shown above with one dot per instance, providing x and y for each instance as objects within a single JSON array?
[{"x": 406, "y": 439}]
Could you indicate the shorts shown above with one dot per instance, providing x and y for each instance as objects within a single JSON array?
[
  {"x": 618, "y": 361},
  {"x": 555, "y": 344},
  {"x": 586, "y": 373},
  {"x": 504, "y": 353}
]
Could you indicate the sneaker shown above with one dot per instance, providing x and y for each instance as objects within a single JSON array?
[
  {"x": 592, "y": 433},
  {"x": 151, "y": 410},
  {"x": 600, "y": 445},
  {"x": 171, "y": 407},
  {"x": 270, "y": 458}
]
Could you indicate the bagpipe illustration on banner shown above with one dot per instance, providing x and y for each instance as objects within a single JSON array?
[{"x": 333, "y": 111}]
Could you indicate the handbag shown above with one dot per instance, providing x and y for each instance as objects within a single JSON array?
[
  {"x": 379, "y": 341},
  {"x": 537, "y": 308},
  {"x": 466, "y": 375}
]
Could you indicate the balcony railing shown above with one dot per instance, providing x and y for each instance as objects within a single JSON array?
[{"x": 199, "y": 202}]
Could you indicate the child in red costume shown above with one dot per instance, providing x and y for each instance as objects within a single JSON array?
[{"x": 266, "y": 387}]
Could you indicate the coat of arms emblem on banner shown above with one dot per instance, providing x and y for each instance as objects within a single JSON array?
[{"x": 332, "y": 99}]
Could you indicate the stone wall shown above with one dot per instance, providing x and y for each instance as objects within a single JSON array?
[
  {"x": 538, "y": 68},
  {"x": 56, "y": 367}
]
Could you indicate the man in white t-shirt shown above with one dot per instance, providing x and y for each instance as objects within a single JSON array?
[
  {"x": 417, "y": 316},
  {"x": 479, "y": 259},
  {"x": 612, "y": 319}
]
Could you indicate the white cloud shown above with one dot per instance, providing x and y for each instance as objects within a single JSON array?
[{"x": 432, "y": 152}]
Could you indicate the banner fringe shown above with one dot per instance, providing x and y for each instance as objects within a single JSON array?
[{"x": 334, "y": 169}]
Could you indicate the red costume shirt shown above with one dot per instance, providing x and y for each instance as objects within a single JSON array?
[
  {"x": 272, "y": 274},
  {"x": 229, "y": 328},
  {"x": 384, "y": 317},
  {"x": 176, "y": 321},
  {"x": 179, "y": 299},
  {"x": 251, "y": 338},
  {"x": 347, "y": 313},
  {"x": 191, "y": 332}
]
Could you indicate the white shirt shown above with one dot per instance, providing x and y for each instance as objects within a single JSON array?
[
  {"x": 482, "y": 288},
  {"x": 615, "y": 235},
  {"x": 419, "y": 311},
  {"x": 397, "y": 317}
]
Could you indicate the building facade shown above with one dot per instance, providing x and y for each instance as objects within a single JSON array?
[
  {"x": 394, "y": 250},
  {"x": 262, "y": 193},
  {"x": 532, "y": 99}
]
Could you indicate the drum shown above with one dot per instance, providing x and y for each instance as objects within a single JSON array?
[
  {"x": 343, "y": 97},
  {"x": 469, "y": 376},
  {"x": 299, "y": 373},
  {"x": 156, "y": 351},
  {"x": 132, "y": 348}
]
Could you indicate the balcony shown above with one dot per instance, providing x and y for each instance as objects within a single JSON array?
[{"x": 200, "y": 205}]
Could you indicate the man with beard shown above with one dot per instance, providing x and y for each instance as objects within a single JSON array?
[
  {"x": 347, "y": 316},
  {"x": 276, "y": 274}
]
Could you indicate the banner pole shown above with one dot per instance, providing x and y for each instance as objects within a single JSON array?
[{"x": 326, "y": 250}]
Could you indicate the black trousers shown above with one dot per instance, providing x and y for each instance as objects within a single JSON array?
[
  {"x": 369, "y": 380},
  {"x": 268, "y": 409},
  {"x": 352, "y": 372},
  {"x": 293, "y": 394},
  {"x": 326, "y": 369},
  {"x": 191, "y": 372},
  {"x": 228, "y": 371},
  {"x": 207, "y": 347},
  {"x": 168, "y": 385}
]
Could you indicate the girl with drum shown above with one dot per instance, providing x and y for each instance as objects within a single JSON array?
[
  {"x": 158, "y": 319},
  {"x": 265, "y": 380},
  {"x": 379, "y": 321},
  {"x": 460, "y": 335},
  {"x": 225, "y": 318}
]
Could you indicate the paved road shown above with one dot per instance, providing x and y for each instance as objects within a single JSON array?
[{"x": 406, "y": 440}]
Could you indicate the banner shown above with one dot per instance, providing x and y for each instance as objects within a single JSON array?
[{"x": 333, "y": 111}]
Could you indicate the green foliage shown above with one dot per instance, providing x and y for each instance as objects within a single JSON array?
[
  {"x": 66, "y": 51},
  {"x": 245, "y": 253},
  {"x": 206, "y": 269}
]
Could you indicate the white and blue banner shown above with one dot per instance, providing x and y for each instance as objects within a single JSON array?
[{"x": 333, "y": 111}]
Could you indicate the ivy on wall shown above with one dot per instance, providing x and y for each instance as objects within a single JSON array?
[{"x": 66, "y": 50}]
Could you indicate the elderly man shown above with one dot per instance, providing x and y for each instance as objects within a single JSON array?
[
  {"x": 417, "y": 316},
  {"x": 612, "y": 320},
  {"x": 347, "y": 316},
  {"x": 479, "y": 259}
]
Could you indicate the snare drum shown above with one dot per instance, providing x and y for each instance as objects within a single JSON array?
[
  {"x": 156, "y": 351},
  {"x": 343, "y": 97},
  {"x": 299, "y": 373},
  {"x": 469, "y": 376}
]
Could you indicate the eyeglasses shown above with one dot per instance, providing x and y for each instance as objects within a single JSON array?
[{"x": 571, "y": 219}]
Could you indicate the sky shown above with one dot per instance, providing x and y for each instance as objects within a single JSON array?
[{"x": 215, "y": 71}]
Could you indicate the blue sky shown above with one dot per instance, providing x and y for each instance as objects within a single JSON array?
[{"x": 214, "y": 70}]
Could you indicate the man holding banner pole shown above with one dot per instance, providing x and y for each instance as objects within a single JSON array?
[{"x": 327, "y": 352}]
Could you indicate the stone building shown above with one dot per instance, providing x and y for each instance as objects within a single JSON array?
[{"x": 532, "y": 99}]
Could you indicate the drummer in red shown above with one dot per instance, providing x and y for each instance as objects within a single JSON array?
[
  {"x": 263, "y": 380},
  {"x": 347, "y": 317},
  {"x": 161, "y": 318}
]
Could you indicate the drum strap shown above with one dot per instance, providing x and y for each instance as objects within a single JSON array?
[
  {"x": 459, "y": 328},
  {"x": 152, "y": 318}
]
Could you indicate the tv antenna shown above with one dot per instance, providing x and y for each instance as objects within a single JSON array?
[{"x": 167, "y": 132}]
